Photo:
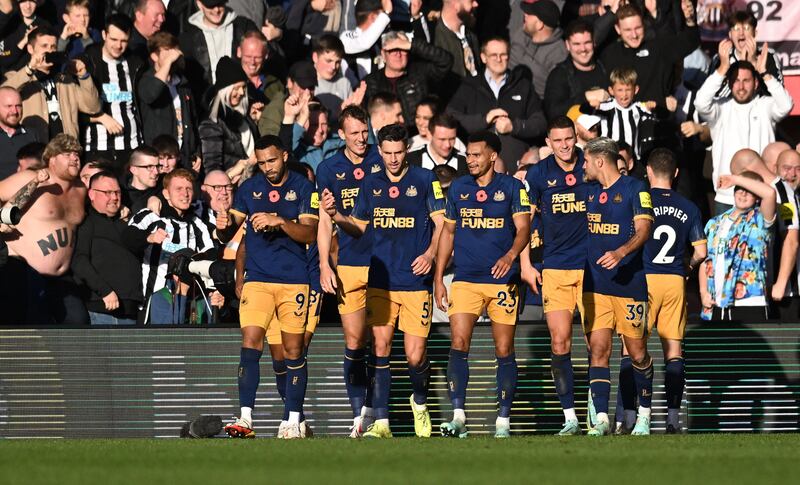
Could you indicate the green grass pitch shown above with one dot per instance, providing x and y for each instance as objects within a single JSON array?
[{"x": 674, "y": 460}]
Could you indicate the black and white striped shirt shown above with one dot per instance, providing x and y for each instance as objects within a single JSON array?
[
  {"x": 622, "y": 124},
  {"x": 187, "y": 232},
  {"x": 115, "y": 85}
]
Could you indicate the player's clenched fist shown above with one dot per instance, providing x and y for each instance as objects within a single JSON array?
[{"x": 328, "y": 203}]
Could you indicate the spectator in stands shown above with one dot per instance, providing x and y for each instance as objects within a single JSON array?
[
  {"x": 115, "y": 131},
  {"x": 733, "y": 280},
  {"x": 454, "y": 34},
  {"x": 426, "y": 110},
  {"x": 228, "y": 135},
  {"x": 142, "y": 182},
  {"x": 408, "y": 80},
  {"x": 14, "y": 136},
  {"x": 102, "y": 263},
  {"x": 254, "y": 10},
  {"x": 169, "y": 155},
  {"x": 653, "y": 59},
  {"x": 310, "y": 129},
  {"x": 156, "y": 237},
  {"x": 14, "y": 34},
  {"x": 306, "y": 20},
  {"x": 165, "y": 101},
  {"x": 628, "y": 164},
  {"x": 76, "y": 35},
  {"x": 782, "y": 253},
  {"x": 441, "y": 149},
  {"x": 91, "y": 167},
  {"x": 788, "y": 167},
  {"x": 579, "y": 79},
  {"x": 147, "y": 19},
  {"x": 742, "y": 34},
  {"x": 771, "y": 152},
  {"x": 55, "y": 98},
  {"x": 29, "y": 156},
  {"x": 302, "y": 78},
  {"x": 216, "y": 200},
  {"x": 538, "y": 44},
  {"x": 361, "y": 44},
  {"x": 274, "y": 23},
  {"x": 332, "y": 87},
  {"x": 621, "y": 116},
  {"x": 744, "y": 120},
  {"x": 384, "y": 109},
  {"x": 212, "y": 33},
  {"x": 252, "y": 52},
  {"x": 502, "y": 100}
]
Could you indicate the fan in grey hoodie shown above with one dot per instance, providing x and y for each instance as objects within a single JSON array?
[
  {"x": 212, "y": 33},
  {"x": 539, "y": 45}
]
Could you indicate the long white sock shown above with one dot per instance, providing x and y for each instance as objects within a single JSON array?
[
  {"x": 569, "y": 414},
  {"x": 502, "y": 422},
  {"x": 602, "y": 417},
  {"x": 247, "y": 414},
  {"x": 365, "y": 411},
  {"x": 643, "y": 411},
  {"x": 294, "y": 417},
  {"x": 459, "y": 415}
]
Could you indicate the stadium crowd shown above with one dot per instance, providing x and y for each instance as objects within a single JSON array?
[{"x": 142, "y": 139}]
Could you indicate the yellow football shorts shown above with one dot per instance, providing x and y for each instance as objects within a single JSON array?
[
  {"x": 562, "y": 289},
  {"x": 312, "y": 319},
  {"x": 625, "y": 315},
  {"x": 351, "y": 294},
  {"x": 415, "y": 309},
  {"x": 666, "y": 305},
  {"x": 262, "y": 302},
  {"x": 501, "y": 301}
]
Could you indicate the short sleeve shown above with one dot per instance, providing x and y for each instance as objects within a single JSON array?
[
  {"x": 530, "y": 183},
  {"x": 239, "y": 201},
  {"x": 309, "y": 202},
  {"x": 520, "y": 203},
  {"x": 323, "y": 177},
  {"x": 450, "y": 210},
  {"x": 696, "y": 233},
  {"x": 435, "y": 199},
  {"x": 641, "y": 202}
]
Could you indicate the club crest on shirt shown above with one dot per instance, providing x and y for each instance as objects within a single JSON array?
[
  {"x": 291, "y": 196},
  {"x": 377, "y": 192},
  {"x": 340, "y": 176},
  {"x": 411, "y": 191},
  {"x": 499, "y": 196},
  {"x": 552, "y": 183},
  {"x": 375, "y": 168},
  {"x": 257, "y": 195},
  {"x": 617, "y": 198},
  {"x": 464, "y": 196}
]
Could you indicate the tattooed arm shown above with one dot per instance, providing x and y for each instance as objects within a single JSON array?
[{"x": 23, "y": 195}]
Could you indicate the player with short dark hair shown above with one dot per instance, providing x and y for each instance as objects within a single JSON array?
[
  {"x": 557, "y": 188},
  {"x": 280, "y": 209},
  {"x": 620, "y": 216},
  {"x": 404, "y": 205},
  {"x": 678, "y": 223},
  {"x": 342, "y": 176},
  {"x": 487, "y": 225}
]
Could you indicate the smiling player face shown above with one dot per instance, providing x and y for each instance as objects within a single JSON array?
[{"x": 480, "y": 159}]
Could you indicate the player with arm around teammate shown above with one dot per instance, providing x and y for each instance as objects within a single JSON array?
[
  {"x": 487, "y": 223},
  {"x": 405, "y": 207},
  {"x": 620, "y": 216}
]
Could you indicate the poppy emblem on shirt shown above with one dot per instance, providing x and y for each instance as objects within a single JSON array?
[
  {"x": 481, "y": 196},
  {"x": 274, "y": 196},
  {"x": 394, "y": 192},
  {"x": 570, "y": 179},
  {"x": 375, "y": 168},
  {"x": 358, "y": 174},
  {"x": 291, "y": 195},
  {"x": 603, "y": 198}
]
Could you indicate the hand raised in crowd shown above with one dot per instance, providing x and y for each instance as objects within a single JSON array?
[
  {"x": 223, "y": 221},
  {"x": 328, "y": 203},
  {"x": 24, "y": 40},
  {"x": 596, "y": 96},
  {"x": 77, "y": 67},
  {"x": 70, "y": 30},
  {"x": 197, "y": 163},
  {"x": 255, "y": 111},
  {"x": 38, "y": 62},
  {"x": 494, "y": 114},
  {"x": 294, "y": 105},
  {"x": 357, "y": 96},
  {"x": 42, "y": 176},
  {"x": 724, "y": 51},
  {"x": 386, "y": 6},
  {"x": 761, "y": 60},
  {"x": 690, "y": 128},
  {"x": 672, "y": 104},
  {"x": 154, "y": 204},
  {"x": 503, "y": 125},
  {"x": 725, "y": 181},
  {"x": 111, "y": 125},
  {"x": 750, "y": 49},
  {"x": 111, "y": 301},
  {"x": 158, "y": 236},
  {"x": 124, "y": 212}
]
